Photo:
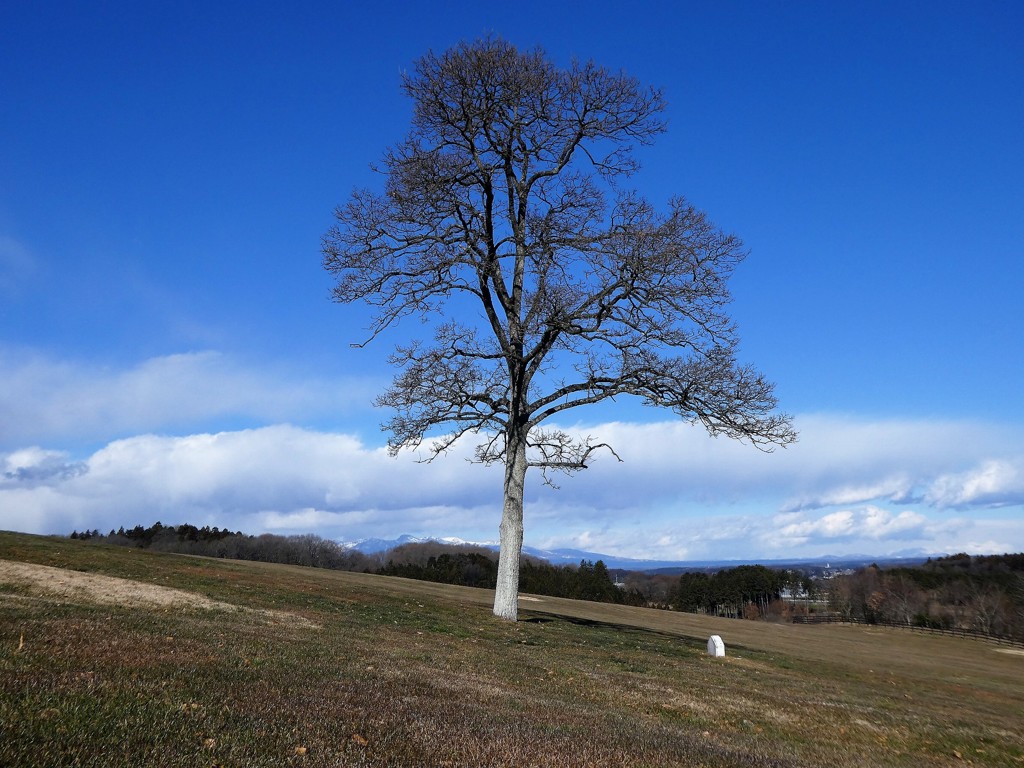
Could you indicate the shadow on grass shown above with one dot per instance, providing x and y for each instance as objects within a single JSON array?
[{"x": 530, "y": 617}]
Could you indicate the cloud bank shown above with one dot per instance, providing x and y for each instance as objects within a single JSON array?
[{"x": 849, "y": 486}]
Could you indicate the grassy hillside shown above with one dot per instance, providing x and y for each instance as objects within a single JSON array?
[{"x": 183, "y": 661}]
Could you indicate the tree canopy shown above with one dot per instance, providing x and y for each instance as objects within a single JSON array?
[{"x": 547, "y": 285}]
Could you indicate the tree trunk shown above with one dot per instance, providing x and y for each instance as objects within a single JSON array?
[{"x": 506, "y": 595}]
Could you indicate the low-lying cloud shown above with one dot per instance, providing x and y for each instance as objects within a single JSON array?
[{"x": 677, "y": 493}]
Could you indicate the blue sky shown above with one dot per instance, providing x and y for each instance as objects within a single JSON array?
[{"x": 168, "y": 349}]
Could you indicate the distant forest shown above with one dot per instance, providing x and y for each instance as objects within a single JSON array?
[
  {"x": 979, "y": 593},
  {"x": 982, "y": 594},
  {"x": 467, "y": 565}
]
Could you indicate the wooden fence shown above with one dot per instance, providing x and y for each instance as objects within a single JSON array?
[{"x": 819, "y": 618}]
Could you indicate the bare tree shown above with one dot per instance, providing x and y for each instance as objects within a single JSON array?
[
  {"x": 904, "y": 600},
  {"x": 560, "y": 289}
]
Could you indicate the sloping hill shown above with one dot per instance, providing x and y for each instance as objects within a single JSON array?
[{"x": 124, "y": 657}]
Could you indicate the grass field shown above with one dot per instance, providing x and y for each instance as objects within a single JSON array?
[{"x": 181, "y": 661}]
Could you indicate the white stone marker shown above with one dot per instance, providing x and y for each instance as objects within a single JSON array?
[{"x": 715, "y": 646}]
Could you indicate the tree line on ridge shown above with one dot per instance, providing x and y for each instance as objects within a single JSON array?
[{"x": 983, "y": 594}]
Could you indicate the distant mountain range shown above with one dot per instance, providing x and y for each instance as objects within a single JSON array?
[{"x": 567, "y": 556}]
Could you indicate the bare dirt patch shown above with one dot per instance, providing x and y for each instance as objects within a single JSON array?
[{"x": 76, "y": 587}]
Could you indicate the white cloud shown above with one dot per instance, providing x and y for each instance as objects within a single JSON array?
[
  {"x": 33, "y": 466},
  {"x": 831, "y": 526},
  {"x": 278, "y": 478},
  {"x": 996, "y": 482},
  {"x": 846, "y": 461},
  {"x": 676, "y": 494},
  {"x": 61, "y": 401},
  {"x": 897, "y": 488},
  {"x": 720, "y": 535},
  {"x": 867, "y": 523},
  {"x": 839, "y": 461}
]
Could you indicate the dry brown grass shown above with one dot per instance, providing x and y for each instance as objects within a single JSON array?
[{"x": 401, "y": 673}]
